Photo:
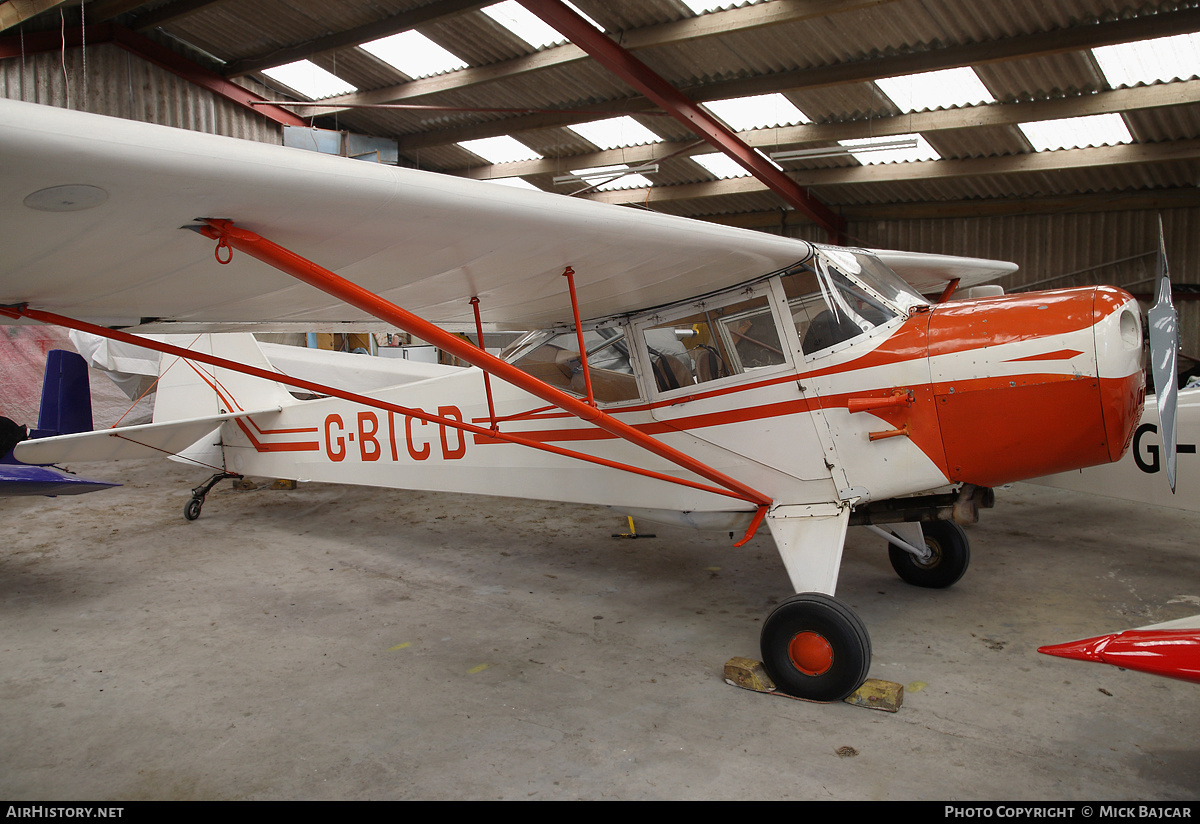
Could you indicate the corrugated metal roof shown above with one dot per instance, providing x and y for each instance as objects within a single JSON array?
[{"x": 822, "y": 55}]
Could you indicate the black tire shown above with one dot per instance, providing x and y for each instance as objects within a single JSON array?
[
  {"x": 815, "y": 647},
  {"x": 191, "y": 509},
  {"x": 951, "y": 556}
]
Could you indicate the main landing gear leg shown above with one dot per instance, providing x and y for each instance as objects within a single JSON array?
[
  {"x": 813, "y": 645},
  {"x": 191, "y": 509}
]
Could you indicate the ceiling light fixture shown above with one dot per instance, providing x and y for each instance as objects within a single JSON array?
[
  {"x": 605, "y": 174},
  {"x": 842, "y": 151}
]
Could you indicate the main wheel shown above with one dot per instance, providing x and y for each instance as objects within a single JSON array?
[
  {"x": 951, "y": 554},
  {"x": 815, "y": 647},
  {"x": 191, "y": 510}
]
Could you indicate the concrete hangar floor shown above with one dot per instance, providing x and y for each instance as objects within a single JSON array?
[{"x": 345, "y": 643}]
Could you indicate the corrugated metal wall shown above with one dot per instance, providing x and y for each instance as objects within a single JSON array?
[{"x": 105, "y": 79}]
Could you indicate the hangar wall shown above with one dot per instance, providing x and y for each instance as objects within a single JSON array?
[{"x": 106, "y": 79}]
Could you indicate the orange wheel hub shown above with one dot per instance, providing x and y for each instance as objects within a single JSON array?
[{"x": 810, "y": 653}]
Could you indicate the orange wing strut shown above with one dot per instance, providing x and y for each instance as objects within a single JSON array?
[
  {"x": 487, "y": 379},
  {"x": 292, "y": 264},
  {"x": 569, "y": 274},
  {"x": 949, "y": 290}
]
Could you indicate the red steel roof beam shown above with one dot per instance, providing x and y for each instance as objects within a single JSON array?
[{"x": 621, "y": 62}]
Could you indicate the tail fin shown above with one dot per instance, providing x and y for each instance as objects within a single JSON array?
[
  {"x": 66, "y": 396},
  {"x": 187, "y": 389}
]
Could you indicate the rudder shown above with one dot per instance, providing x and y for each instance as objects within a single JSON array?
[
  {"x": 66, "y": 406},
  {"x": 187, "y": 389}
]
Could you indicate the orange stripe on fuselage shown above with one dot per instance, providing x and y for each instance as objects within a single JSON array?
[
  {"x": 1061, "y": 354},
  {"x": 966, "y": 325}
]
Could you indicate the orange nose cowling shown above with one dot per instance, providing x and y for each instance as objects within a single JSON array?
[{"x": 1017, "y": 390}]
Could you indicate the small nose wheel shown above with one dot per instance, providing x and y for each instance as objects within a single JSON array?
[
  {"x": 949, "y": 556},
  {"x": 191, "y": 509},
  {"x": 815, "y": 647}
]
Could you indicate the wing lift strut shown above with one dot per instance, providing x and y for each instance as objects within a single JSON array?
[{"x": 230, "y": 237}]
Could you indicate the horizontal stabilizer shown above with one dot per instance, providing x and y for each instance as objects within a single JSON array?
[{"x": 152, "y": 440}]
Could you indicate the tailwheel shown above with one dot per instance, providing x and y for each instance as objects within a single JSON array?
[
  {"x": 815, "y": 647},
  {"x": 191, "y": 509},
  {"x": 950, "y": 554}
]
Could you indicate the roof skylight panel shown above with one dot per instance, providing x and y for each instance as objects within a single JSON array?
[
  {"x": 414, "y": 54},
  {"x": 615, "y": 132},
  {"x": 702, "y": 6},
  {"x": 500, "y": 149},
  {"x": 720, "y": 165},
  {"x": 869, "y": 157},
  {"x": 1077, "y": 132},
  {"x": 1150, "y": 61},
  {"x": 513, "y": 182},
  {"x": 936, "y": 90},
  {"x": 524, "y": 24},
  {"x": 760, "y": 111},
  {"x": 309, "y": 79}
]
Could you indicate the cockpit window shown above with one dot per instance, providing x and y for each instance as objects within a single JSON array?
[
  {"x": 876, "y": 275},
  {"x": 828, "y": 307},
  {"x": 553, "y": 357},
  {"x": 714, "y": 343}
]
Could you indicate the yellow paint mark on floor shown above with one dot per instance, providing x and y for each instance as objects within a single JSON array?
[
  {"x": 479, "y": 668},
  {"x": 915, "y": 686},
  {"x": 400, "y": 646}
]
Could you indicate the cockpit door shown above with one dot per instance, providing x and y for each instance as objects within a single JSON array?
[{"x": 723, "y": 371}]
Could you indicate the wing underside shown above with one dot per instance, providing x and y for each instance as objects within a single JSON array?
[{"x": 93, "y": 214}]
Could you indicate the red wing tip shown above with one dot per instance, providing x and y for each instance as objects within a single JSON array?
[{"x": 1089, "y": 649}]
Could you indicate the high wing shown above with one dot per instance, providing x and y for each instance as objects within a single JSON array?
[
  {"x": 929, "y": 274},
  {"x": 94, "y": 210}
]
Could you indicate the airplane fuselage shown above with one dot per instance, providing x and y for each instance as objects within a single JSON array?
[{"x": 983, "y": 392}]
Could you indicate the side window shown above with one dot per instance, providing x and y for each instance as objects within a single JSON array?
[
  {"x": 554, "y": 358},
  {"x": 714, "y": 343},
  {"x": 828, "y": 309}
]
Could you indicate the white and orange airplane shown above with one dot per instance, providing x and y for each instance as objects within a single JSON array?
[{"x": 678, "y": 371}]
